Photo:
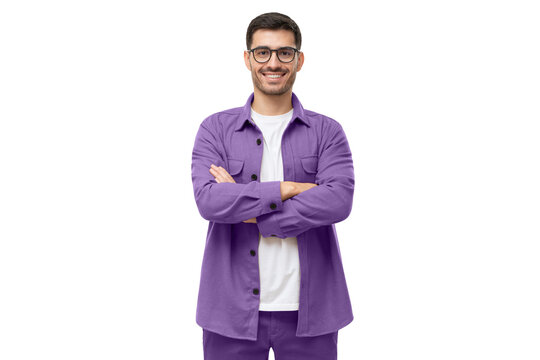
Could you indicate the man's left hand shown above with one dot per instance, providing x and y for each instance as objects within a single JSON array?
[{"x": 221, "y": 175}]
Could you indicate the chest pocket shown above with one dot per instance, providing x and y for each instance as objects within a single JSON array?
[
  {"x": 309, "y": 168},
  {"x": 235, "y": 169}
]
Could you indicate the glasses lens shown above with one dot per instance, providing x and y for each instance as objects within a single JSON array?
[
  {"x": 286, "y": 54},
  {"x": 262, "y": 54}
]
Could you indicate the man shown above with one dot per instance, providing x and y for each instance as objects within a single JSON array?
[{"x": 272, "y": 179}]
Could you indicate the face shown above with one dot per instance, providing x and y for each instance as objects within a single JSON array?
[{"x": 274, "y": 39}]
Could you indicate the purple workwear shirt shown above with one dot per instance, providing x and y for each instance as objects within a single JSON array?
[{"x": 314, "y": 149}]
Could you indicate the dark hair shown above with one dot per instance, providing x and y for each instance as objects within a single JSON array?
[{"x": 274, "y": 21}]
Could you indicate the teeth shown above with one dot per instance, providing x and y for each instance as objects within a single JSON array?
[{"x": 274, "y": 76}]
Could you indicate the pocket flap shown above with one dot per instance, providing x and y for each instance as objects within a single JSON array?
[
  {"x": 309, "y": 163},
  {"x": 235, "y": 166}
]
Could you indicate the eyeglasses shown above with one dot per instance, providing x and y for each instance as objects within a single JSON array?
[{"x": 262, "y": 54}]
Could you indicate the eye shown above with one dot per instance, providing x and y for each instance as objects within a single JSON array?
[{"x": 285, "y": 52}]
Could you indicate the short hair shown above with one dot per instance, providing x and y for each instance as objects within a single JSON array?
[{"x": 274, "y": 21}]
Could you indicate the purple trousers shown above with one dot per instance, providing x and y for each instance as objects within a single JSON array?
[{"x": 277, "y": 330}]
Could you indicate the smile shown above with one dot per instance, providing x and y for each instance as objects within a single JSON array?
[{"x": 273, "y": 76}]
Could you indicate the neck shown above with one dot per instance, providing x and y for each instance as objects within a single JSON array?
[{"x": 271, "y": 104}]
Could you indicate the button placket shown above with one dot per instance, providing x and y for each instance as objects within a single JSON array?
[{"x": 254, "y": 177}]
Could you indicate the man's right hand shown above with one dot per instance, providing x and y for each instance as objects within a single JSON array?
[
  {"x": 292, "y": 188},
  {"x": 288, "y": 190}
]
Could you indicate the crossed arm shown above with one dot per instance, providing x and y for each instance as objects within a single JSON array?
[
  {"x": 279, "y": 208},
  {"x": 288, "y": 188}
]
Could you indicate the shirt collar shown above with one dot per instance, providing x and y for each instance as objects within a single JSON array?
[{"x": 298, "y": 112}]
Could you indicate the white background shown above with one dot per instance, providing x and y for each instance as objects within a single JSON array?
[{"x": 101, "y": 240}]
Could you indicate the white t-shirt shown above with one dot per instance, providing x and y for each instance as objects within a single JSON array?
[{"x": 279, "y": 263}]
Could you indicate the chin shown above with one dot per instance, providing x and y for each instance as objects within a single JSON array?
[{"x": 273, "y": 90}]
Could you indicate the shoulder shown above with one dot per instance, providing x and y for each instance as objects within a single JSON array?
[
  {"x": 222, "y": 119},
  {"x": 322, "y": 123}
]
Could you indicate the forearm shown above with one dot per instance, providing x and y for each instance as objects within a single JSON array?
[
  {"x": 233, "y": 203},
  {"x": 323, "y": 205},
  {"x": 329, "y": 202},
  {"x": 288, "y": 190},
  {"x": 227, "y": 202}
]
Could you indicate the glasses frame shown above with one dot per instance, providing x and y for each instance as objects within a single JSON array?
[{"x": 277, "y": 53}]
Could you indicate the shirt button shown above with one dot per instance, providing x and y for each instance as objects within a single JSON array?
[
  {"x": 253, "y": 177},
  {"x": 256, "y": 291},
  {"x": 273, "y": 206},
  {"x": 258, "y": 141},
  {"x": 252, "y": 252}
]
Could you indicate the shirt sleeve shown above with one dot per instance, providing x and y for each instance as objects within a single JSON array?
[
  {"x": 227, "y": 202},
  {"x": 328, "y": 203}
]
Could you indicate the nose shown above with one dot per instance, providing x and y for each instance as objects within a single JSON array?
[{"x": 274, "y": 61}]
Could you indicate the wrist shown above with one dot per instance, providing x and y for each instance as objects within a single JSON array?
[{"x": 288, "y": 190}]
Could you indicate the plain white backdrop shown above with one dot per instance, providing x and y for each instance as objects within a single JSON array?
[{"x": 101, "y": 241}]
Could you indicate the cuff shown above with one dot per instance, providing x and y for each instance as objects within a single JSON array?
[
  {"x": 270, "y": 195},
  {"x": 269, "y": 225}
]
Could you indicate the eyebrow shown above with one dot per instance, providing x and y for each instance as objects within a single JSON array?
[{"x": 291, "y": 46}]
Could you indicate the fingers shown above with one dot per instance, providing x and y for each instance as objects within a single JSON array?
[
  {"x": 216, "y": 173},
  {"x": 221, "y": 174}
]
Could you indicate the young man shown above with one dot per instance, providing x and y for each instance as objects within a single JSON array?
[{"x": 272, "y": 179}]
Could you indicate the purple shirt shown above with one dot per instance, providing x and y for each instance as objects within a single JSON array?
[{"x": 314, "y": 149}]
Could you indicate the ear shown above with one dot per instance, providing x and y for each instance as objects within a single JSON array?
[
  {"x": 246, "y": 59},
  {"x": 300, "y": 61}
]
